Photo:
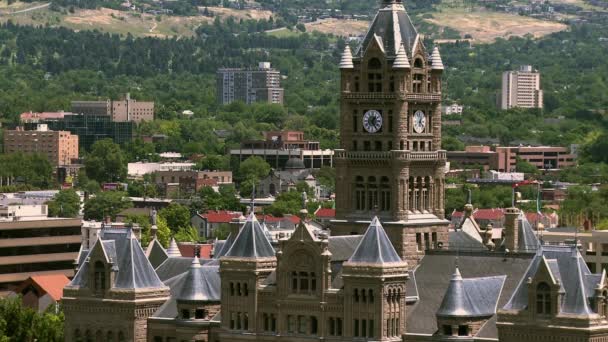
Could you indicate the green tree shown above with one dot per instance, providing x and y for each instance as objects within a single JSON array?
[
  {"x": 106, "y": 162},
  {"x": 107, "y": 203},
  {"x": 525, "y": 167},
  {"x": 251, "y": 171},
  {"x": 66, "y": 203},
  {"x": 452, "y": 144},
  {"x": 20, "y": 323},
  {"x": 176, "y": 215},
  {"x": 189, "y": 234}
]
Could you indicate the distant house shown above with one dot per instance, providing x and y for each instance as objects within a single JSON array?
[
  {"x": 324, "y": 215},
  {"x": 41, "y": 291}
]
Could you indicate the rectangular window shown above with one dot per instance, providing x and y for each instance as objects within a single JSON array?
[
  {"x": 273, "y": 323},
  {"x": 302, "y": 325},
  {"x": 338, "y": 326},
  {"x": 354, "y": 145},
  {"x": 355, "y": 122},
  {"x": 463, "y": 330},
  {"x": 390, "y": 121},
  {"x": 363, "y": 328},
  {"x": 370, "y": 330},
  {"x": 291, "y": 324},
  {"x": 356, "y": 328},
  {"x": 332, "y": 327},
  {"x": 266, "y": 322},
  {"x": 313, "y": 325},
  {"x": 199, "y": 313}
]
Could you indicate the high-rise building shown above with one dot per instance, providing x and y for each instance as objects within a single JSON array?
[
  {"x": 521, "y": 89},
  {"x": 60, "y": 147},
  {"x": 249, "y": 85},
  {"x": 120, "y": 111},
  {"x": 390, "y": 160}
]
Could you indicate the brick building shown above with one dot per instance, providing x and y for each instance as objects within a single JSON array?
[
  {"x": 504, "y": 158},
  {"x": 60, "y": 147},
  {"x": 189, "y": 182}
]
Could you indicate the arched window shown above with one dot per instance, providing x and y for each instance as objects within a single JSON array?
[
  {"x": 417, "y": 83},
  {"x": 98, "y": 336},
  {"x": 371, "y": 296},
  {"x": 88, "y": 336},
  {"x": 385, "y": 194},
  {"x": 418, "y": 63},
  {"x": 374, "y": 64},
  {"x": 356, "y": 296},
  {"x": 359, "y": 193},
  {"x": 372, "y": 193},
  {"x": 374, "y": 75},
  {"x": 543, "y": 299},
  {"x": 100, "y": 277},
  {"x": 121, "y": 336},
  {"x": 77, "y": 335},
  {"x": 110, "y": 336}
]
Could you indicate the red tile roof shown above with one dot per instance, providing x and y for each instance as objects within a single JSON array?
[
  {"x": 272, "y": 219},
  {"x": 325, "y": 213},
  {"x": 52, "y": 284},
  {"x": 220, "y": 216},
  {"x": 483, "y": 214},
  {"x": 187, "y": 250}
]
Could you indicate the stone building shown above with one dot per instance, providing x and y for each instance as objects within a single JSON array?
[
  {"x": 390, "y": 158},
  {"x": 114, "y": 291}
]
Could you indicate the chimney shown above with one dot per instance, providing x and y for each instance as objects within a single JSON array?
[{"x": 511, "y": 229}]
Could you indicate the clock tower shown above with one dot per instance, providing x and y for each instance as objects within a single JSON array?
[{"x": 390, "y": 161}]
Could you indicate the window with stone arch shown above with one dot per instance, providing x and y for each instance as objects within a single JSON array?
[
  {"x": 100, "y": 277},
  {"x": 359, "y": 193},
  {"x": 374, "y": 75},
  {"x": 303, "y": 278},
  {"x": 543, "y": 299},
  {"x": 372, "y": 193},
  {"x": 385, "y": 194}
]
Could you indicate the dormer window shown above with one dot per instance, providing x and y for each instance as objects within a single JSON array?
[
  {"x": 543, "y": 299},
  {"x": 418, "y": 63},
  {"x": 100, "y": 277}
]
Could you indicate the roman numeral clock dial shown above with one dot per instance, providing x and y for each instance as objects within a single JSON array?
[
  {"x": 419, "y": 121},
  {"x": 372, "y": 121}
]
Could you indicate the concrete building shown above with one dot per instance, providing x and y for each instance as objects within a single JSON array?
[
  {"x": 280, "y": 146},
  {"x": 32, "y": 244},
  {"x": 139, "y": 169},
  {"x": 474, "y": 156},
  {"x": 521, "y": 89},
  {"x": 60, "y": 147},
  {"x": 249, "y": 85},
  {"x": 126, "y": 110},
  {"x": 453, "y": 109}
]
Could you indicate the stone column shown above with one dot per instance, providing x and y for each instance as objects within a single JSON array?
[{"x": 511, "y": 229}]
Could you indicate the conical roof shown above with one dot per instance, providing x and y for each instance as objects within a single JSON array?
[
  {"x": 201, "y": 283},
  {"x": 436, "y": 63},
  {"x": 375, "y": 247},
  {"x": 401, "y": 61},
  {"x": 473, "y": 297},
  {"x": 347, "y": 59},
  {"x": 251, "y": 242},
  {"x": 173, "y": 250}
]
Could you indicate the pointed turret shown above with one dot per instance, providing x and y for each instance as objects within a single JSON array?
[
  {"x": 201, "y": 284},
  {"x": 401, "y": 60},
  {"x": 375, "y": 247},
  {"x": 347, "y": 59},
  {"x": 251, "y": 242},
  {"x": 173, "y": 250},
  {"x": 436, "y": 63}
]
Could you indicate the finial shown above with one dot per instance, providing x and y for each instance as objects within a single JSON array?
[{"x": 469, "y": 196}]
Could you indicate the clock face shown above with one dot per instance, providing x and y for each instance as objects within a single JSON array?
[
  {"x": 372, "y": 121},
  {"x": 419, "y": 121}
]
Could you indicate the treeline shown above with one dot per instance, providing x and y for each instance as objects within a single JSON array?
[{"x": 57, "y": 50}]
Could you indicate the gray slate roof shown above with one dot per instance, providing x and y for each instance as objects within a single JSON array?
[
  {"x": 156, "y": 253},
  {"x": 393, "y": 27},
  {"x": 251, "y": 242},
  {"x": 199, "y": 283},
  {"x": 175, "y": 266},
  {"x": 527, "y": 240},
  {"x": 221, "y": 247},
  {"x": 461, "y": 240},
  {"x": 133, "y": 268},
  {"x": 343, "y": 247},
  {"x": 375, "y": 247},
  {"x": 472, "y": 297},
  {"x": 567, "y": 266},
  {"x": 433, "y": 276}
]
